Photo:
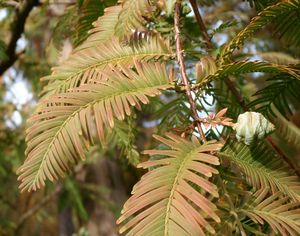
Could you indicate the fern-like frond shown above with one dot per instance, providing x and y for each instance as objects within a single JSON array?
[
  {"x": 123, "y": 136},
  {"x": 261, "y": 4},
  {"x": 59, "y": 135},
  {"x": 262, "y": 168},
  {"x": 104, "y": 28},
  {"x": 277, "y": 211},
  {"x": 224, "y": 98},
  {"x": 89, "y": 63},
  {"x": 279, "y": 93},
  {"x": 131, "y": 17},
  {"x": 244, "y": 67},
  {"x": 286, "y": 129},
  {"x": 165, "y": 201},
  {"x": 173, "y": 112},
  {"x": 287, "y": 26},
  {"x": 285, "y": 16},
  {"x": 278, "y": 58},
  {"x": 89, "y": 11}
]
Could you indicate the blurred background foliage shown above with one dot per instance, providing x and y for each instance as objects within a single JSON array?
[{"x": 96, "y": 189}]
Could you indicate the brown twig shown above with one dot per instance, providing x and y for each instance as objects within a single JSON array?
[
  {"x": 201, "y": 24},
  {"x": 230, "y": 85},
  {"x": 209, "y": 45},
  {"x": 179, "y": 53},
  {"x": 17, "y": 29},
  {"x": 284, "y": 157}
]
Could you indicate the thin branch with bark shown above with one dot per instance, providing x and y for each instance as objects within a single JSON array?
[
  {"x": 17, "y": 29},
  {"x": 179, "y": 53},
  {"x": 230, "y": 85},
  {"x": 37, "y": 207},
  {"x": 209, "y": 45},
  {"x": 201, "y": 24}
]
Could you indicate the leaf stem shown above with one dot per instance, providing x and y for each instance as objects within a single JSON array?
[{"x": 179, "y": 53}]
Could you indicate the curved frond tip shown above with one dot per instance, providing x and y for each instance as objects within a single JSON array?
[
  {"x": 131, "y": 16},
  {"x": 104, "y": 28},
  {"x": 286, "y": 129},
  {"x": 61, "y": 132},
  {"x": 244, "y": 67},
  {"x": 262, "y": 168},
  {"x": 275, "y": 210},
  {"x": 90, "y": 63},
  {"x": 284, "y": 15},
  {"x": 286, "y": 89},
  {"x": 167, "y": 200}
]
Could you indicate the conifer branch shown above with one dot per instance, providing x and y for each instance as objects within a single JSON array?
[
  {"x": 230, "y": 85},
  {"x": 179, "y": 53}
]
